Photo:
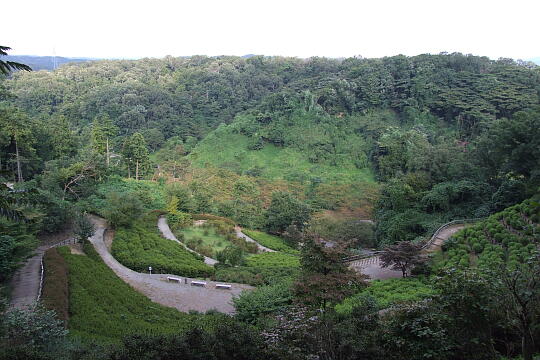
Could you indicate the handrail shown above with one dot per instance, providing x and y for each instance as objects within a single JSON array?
[
  {"x": 444, "y": 226},
  {"x": 61, "y": 243},
  {"x": 425, "y": 245}
]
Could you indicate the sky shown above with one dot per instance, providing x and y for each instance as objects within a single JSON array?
[{"x": 332, "y": 28}]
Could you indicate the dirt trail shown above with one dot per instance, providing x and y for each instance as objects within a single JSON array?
[{"x": 181, "y": 296}]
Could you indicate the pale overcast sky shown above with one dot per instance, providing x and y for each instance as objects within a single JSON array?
[{"x": 333, "y": 28}]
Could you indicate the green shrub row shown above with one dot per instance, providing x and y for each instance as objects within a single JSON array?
[
  {"x": 255, "y": 276},
  {"x": 273, "y": 260},
  {"x": 270, "y": 241},
  {"x": 104, "y": 308},
  {"x": 140, "y": 246},
  {"x": 389, "y": 292},
  {"x": 510, "y": 236}
]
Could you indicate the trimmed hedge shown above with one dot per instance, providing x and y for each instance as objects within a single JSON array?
[
  {"x": 270, "y": 241},
  {"x": 273, "y": 260},
  {"x": 140, "y": 246},
  {"x": 55, "y": 294},
  {"x": 103, "y": 308}
]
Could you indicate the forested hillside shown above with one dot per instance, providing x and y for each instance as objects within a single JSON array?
[
  {"x": 439, "y": 132},
  {"x": 318, "y": 160}
]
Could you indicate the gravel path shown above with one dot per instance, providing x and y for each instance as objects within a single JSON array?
[
  {"x": 181, "y": 296},
  {"x": 371, "y": 266},
  {"x": 241, "y": 235},
  {"x": 168, "y": 234}
]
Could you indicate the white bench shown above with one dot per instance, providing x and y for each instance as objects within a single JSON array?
[
  {"x": 170, "y": 278},
  {"x": 223, "y": 286},
  {"x": 198, "y": 283}
]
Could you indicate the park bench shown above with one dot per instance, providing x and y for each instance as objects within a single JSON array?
[
  {"x": 170, "y": 278},
  {"x": 223, "y": 286},
  {"x": 198, "y": 283}
]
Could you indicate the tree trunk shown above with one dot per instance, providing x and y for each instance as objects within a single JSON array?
[
  {"x": 129, "y": 171},
  {"x": 527, "y": 345},
  {"x": 108, "y": 152},
  {"x": 137, "y": 170},
  {"x": 19, "y": 172}
]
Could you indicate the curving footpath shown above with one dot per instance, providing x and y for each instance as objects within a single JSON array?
[
  {"x": 167, "y": 233},
  {"x": 371, "y": 266},
  {"x": 181, "y": 296},
  {"x": 241, "y": 235}
]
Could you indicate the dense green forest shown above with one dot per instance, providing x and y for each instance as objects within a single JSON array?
[{"x": 296, "y": 151}]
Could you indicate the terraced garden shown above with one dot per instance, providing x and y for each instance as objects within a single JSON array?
[
  {"x": 103, "y": 308},
  {"x": 140, "y": 246},
  {"x": 509, "y": 237}
]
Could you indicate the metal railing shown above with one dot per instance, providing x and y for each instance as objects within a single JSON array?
[
  {"x": 61, "y": 243},
  {"x": 428, "y": 243}
]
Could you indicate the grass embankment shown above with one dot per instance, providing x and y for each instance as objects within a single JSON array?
[
  {"x": 55, "y": 285},
  {"x": 270, "y": 241},
  {"x": 389, "y": 292},
  {"x": 105, "y": 309},
  {"x": 140, "y": 246}
]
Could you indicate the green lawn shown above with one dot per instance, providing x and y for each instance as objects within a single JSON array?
[
  {"x": 103, "y": 308},
  {"x": 208, "y": 236}
]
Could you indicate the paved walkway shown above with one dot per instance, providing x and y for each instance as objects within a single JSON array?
[
  {"x": 371, "y": 266},
  {"x": 26, "y": 281},
  {"x": 181, "y": 296},
  {"x": 241, "y": 235}
]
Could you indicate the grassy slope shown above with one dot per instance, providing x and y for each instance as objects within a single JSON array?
[
  {"x": 104, "y": 308},
  {"x": 276, "y": 162}
]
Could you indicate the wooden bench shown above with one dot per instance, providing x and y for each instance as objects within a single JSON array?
[
  {"x": 170, "y": 278},
  {"x": 223, "y": 286},
  {"x": 198, "y": 283}
]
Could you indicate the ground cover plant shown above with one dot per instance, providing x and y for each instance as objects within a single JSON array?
[
  {"x": 508, "y": 237},
  {"x": 255, "y": 276},
  {"x": 270, "y": 241},
  {"x": 55, "y": 295},
  {"x": 273, "y": 260},
  {"x": 140, "y": 246},
  {"x": 104, "y": 308},
  {"x": 389, "y": 292}
]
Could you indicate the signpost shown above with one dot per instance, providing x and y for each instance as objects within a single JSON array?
[{"x": 150, "y": 269}]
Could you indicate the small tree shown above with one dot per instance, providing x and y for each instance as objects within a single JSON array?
[
  {"x": 325, "y": 279},
  {"x": 285, "y": 210},
  {"x": 83, "y": 228},
  {"x": 402, "y": 256}
]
